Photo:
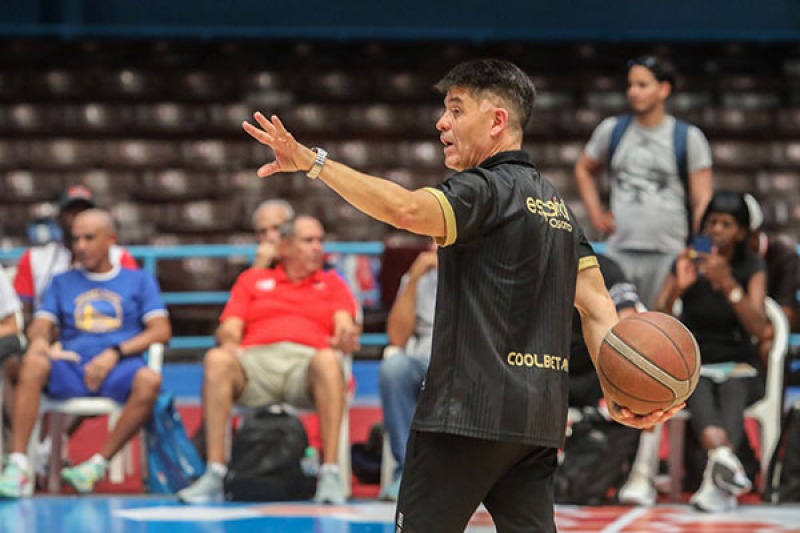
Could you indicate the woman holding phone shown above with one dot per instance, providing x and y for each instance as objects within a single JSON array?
[{"x": 721, "y": 285}]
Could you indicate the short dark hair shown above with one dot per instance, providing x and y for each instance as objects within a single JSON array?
[
  {"x": 662, "y": 69},
  {"x": 499, "y": 77}
]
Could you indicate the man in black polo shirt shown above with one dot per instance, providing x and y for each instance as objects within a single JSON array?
[{"x": 512, "y": 262}]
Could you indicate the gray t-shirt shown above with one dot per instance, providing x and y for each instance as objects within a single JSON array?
[
  {"x": 419, "y": 344},
  {"x": 647, "y": 198}
]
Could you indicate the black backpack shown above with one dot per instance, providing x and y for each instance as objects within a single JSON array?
[
  {"x": 597, "y": 458},
  {"x": 783, "y": 475},
  {"x": 267, "y": 459}
]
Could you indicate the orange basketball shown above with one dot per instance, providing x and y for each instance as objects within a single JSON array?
[{"x": 648, "y": 361}]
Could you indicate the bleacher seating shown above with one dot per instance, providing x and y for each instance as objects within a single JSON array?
[
  {"x": 153, "y": 126},
  {"x": 179, "y": 104}
]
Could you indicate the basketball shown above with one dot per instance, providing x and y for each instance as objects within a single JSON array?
[{"x": 648, "y": 361}]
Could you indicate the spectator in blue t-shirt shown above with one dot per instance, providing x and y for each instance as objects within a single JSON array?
[{"x": 106, "y": 317}]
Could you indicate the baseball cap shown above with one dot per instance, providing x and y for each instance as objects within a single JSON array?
[
  {"x": 732, "y": 203},
  {"x": 756, "y": 214},
  {"x": 76, "y": 194}
]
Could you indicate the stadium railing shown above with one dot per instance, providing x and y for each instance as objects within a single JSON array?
[{"x": 148, "y": 256}]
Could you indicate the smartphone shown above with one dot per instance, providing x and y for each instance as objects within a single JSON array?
[{"x": 702, "y": 243}]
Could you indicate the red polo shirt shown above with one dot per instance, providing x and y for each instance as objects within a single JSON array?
[{"x": 276, "y": 309}]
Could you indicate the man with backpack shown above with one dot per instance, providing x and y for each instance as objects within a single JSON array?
[
  {"x": 659, "y": 171},
  {"x": 659, "y": 179}
]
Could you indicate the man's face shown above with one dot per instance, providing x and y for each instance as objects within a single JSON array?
[
  {"x": 645, "y": 92},
  {"x": 267, "y": 223},
  {"x": 303, "y": 252},
  {"x": 90, "y": 244},
  {"x": 465, "y": 127}
]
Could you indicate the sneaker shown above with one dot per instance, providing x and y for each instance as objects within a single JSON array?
[
  {"x": 391, "y": 491},
  {"x": 728, "y": 473},
  {"x": 329, "y": 488},
  {"x": 637, "y": 490},
  {"x": 208, "y": 488},
  {"x": 15, "y": 482},
  {"x": 83, "y": 476},
  {"x": 712, "y": 499}
]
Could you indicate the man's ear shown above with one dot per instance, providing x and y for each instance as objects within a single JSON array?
[
  {"x": 499, "y": 120},
  {"x": 665, "y": 90}
]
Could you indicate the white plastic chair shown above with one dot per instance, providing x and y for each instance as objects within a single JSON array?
[
  {"x": 767, "y": 411},
  {"x": 122, "y": 463}
]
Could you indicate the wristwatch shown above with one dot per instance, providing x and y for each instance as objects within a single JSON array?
[
  {"x": 736, "y": 295},
  {"x": 319, "y": 162},
  {"x": 117, "y": 349}
]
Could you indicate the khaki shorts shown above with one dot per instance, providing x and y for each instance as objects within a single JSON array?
[{"x": 276, "y": 373}]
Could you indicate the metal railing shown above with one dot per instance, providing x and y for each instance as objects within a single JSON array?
[{"x": 150, "y": 255}]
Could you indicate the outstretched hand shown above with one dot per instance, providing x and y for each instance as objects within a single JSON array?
[
  {"x": 627, "y": 418},
  {"x": 290, "y": 156}
]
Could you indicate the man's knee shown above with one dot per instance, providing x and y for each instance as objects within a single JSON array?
[
  {"x": 147, "y": 383},
  {"x": 220, "y": 364},
  {"x": 393, "y": 368},
  {"x": 326, "y": 363},
  {"x": 35, "y": 367}
]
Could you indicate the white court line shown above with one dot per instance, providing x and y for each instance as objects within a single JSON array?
[{"x": 625, "y": 520}]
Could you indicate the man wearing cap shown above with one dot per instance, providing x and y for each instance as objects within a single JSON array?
[
  {"x": 655, "y": 201},
  {"x": 39, "y": 264}
]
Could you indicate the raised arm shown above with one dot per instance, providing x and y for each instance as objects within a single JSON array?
[
  {"x": 416, "y": 211},
  {"x": 403, "y": 316}
]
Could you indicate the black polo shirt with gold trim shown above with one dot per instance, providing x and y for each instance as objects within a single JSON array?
[{"x": 507, "y": 273}]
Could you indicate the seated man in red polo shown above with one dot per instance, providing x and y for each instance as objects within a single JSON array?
[{"x": 280, "y": 340}]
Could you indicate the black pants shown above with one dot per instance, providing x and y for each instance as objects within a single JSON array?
[
  {"x": 446, "y": 477},
  {"x": 723, "y": 405}
]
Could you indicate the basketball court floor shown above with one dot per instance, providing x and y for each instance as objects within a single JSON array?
[{"x": 147, "y": 514}]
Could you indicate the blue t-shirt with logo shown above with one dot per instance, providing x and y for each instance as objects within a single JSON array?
[{"x": 97, "y": 311}]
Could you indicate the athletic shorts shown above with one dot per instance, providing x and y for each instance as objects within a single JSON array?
[
  {"x": 276, "y": 373},
  {"x": 446, "y": 477},
  {"x": 66, "y": 380}
]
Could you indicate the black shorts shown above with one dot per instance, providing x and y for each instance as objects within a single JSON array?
[{"x": 446, "y": 477}]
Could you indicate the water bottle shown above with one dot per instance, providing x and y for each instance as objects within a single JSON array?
[{"x": 310, "y": 462}]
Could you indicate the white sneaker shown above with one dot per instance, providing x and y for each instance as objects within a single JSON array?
[
  {"x": 329, "y": 488},
  {"x": 637, "y": 490},
  {"x": 727, "y": 472},
  {"x": 208, "y": 488},
  {"x": 712, "y": 499}
]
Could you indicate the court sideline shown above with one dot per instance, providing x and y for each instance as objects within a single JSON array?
[{"x": 148, "y": 514}]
